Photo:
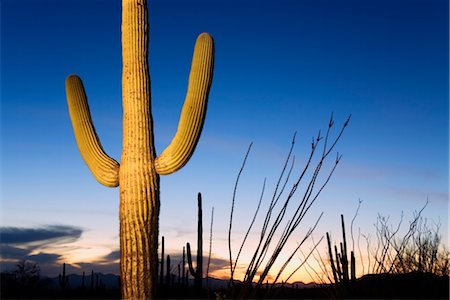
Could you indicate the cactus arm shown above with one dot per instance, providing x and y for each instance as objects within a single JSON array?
[
  {"x": 352, "y": 266},
  {"x": 104, "y": 168},
  {"x": 189, "y": 257},
  {"x": 330, "y": 253},
  {"x": 192, "y": 118}
]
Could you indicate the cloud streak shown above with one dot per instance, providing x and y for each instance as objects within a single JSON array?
[
  {"x": 18, "y": 243},
  {"x": 51, "y": 233}
]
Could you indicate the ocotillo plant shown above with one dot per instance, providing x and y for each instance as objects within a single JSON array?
[
  {"x": 63, "y": 279},
  {"x": 198, "y": 272},
  {"x": 339, "y": 263},
  {"x": 139, "y": 170}
]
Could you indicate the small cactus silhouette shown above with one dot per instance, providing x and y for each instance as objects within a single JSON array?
[
  {"x": 198, "y": 272},
  {"x": 183, "y": 268},
  {"x": 161, "y": 270},
  {"x": 83, "y": 282},
  {"x": 63, "y": 279},
  {"x": 139, "y": 169},
  {"x": 168, "y": 276},
  {"x": 92, "y": 279},
  {"x": 339, "y": 263}
]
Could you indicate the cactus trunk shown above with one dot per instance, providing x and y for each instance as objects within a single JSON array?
[
  {"x": 139, "y": 169},
  {"x": 139, "y": 182}
]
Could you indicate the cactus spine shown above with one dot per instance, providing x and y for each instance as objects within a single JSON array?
[
  {"x": 139, "y": 169},
  {"x": 197, "y": 273}
]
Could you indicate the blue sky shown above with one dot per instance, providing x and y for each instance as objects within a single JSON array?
[{"x": 280, "y": 67}]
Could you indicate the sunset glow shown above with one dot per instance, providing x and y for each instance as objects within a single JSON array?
[{"x": 281, "y": 69}]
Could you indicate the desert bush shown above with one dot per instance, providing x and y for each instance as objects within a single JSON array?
[{"x": 420, "y": 249}]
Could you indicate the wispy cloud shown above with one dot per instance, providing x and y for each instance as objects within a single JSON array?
[
  {"x": 45, "y": 258},
  {"x": 365, "y": 171},
  {"x": 418, "y": 194},
  {"x": 51, "y": 233},
  {"x": 179, "y": 232},
  {"x": 8, "y": 252},
  {"x": 18, "y": 243},
  {"x": 113, "y": 256},
  {"x": 107, "y": 264}
]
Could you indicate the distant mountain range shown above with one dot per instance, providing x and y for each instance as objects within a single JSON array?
[{"x": 111, "y": 281}]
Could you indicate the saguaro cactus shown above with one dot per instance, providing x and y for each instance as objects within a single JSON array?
[{"x": 139, "y": 170}]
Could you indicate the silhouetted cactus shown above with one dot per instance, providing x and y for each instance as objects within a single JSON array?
[
  {"x": 161, "y": 271},
  {"x": 352, "y": 266},
  {"x": 83, "y": 283},
  {"x": 330, "y": 254},
  {"x": 139, "y": 170},
  {"x": 198, "y": 272},
  {"x": 183, "y": 268},
  {"x": 339, "y": 264},
  {"x": 92, "y": 279},
  {"x": 63, "y": 279},
  {"x": 168, "y": 271}
]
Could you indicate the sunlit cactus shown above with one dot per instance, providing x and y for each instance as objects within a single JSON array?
[{"x": 139, "y": 169}]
